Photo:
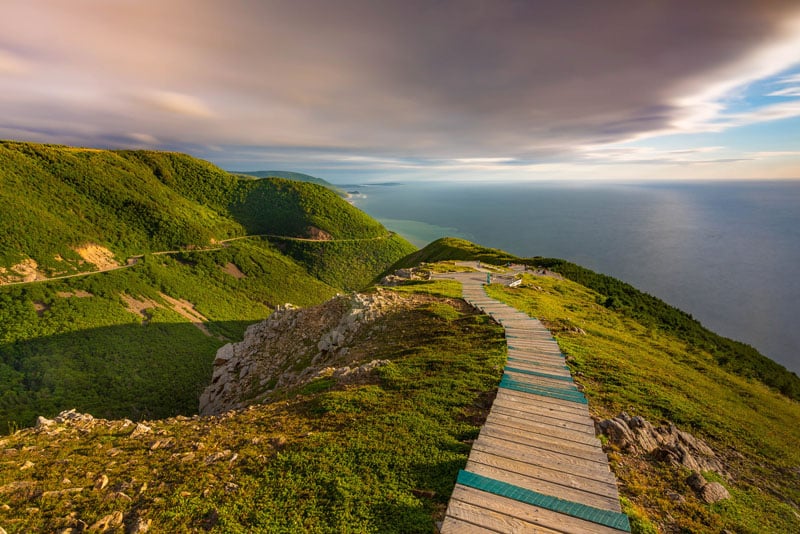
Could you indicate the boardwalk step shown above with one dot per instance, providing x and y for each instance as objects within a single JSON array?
[{"x": 589, "y": 513}]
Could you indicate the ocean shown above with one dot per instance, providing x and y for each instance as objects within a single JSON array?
[{"x": 728, "y": 253}]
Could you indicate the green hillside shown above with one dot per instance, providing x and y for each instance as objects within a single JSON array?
[
  {"x": 734, "y": 356},
  {"x": 138, "y": 341},
  {"x": 381, "y": 453},
  {"x": 298, "y": 176}
]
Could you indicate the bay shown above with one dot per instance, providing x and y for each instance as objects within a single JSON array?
[{"x": 728, "y": 253}]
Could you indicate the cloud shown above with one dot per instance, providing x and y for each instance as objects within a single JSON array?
[
  {"x": 455, "y": 82},
  {"x": 639, "y": 155},
  {"x": 143, "y": 139},
  {"x": 177, "y": 103},
  {"x": 788, "y": 92},
  {"x": 12, "y": 64}
]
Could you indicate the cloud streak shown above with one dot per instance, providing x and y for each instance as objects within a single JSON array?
[{"x": 470, "y": 82}]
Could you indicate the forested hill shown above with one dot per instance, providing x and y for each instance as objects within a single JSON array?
[
  {"x": 136, "y": 333},
  {"x": 55, "y": 199},
  {"x": 289, "y": 175}
]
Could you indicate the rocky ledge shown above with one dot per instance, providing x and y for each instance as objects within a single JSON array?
[
  {"x": 294, "y": 346},
  {"x": 667, "y": 443}
]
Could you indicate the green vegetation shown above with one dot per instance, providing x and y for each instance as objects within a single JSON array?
[
  {"x": 298, "y": 176},
  {"x": 347, "y": 264},
  {"x": 626, "y": 364},
  {"x": 99, "y": 353},
  {"x": 378, "y": 456},
  {"x": 451, "y": 248},
  {"x": 735, "y": 356},
  {"x": 94, "y": 353}
]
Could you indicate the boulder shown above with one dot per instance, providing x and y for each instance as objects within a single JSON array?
[
  {"x": 666, "y": 443},
  {"x": 713, "y": 492}
]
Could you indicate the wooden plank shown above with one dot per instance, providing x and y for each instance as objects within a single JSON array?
[
  {"x": 490, "y": 520},
  {"x": 559, "y": 449},
  {"x": 528, "y": 378},
  {"x": 535, "y": 515},
  {"x": 579, "y": 432},
  {"x": 528, "y": 418},
  {"x": 573, "y": 481},
  {"x": 542, "y": 486},
  {"x": 534, "y": 411},
  {"x": 546, "y": 435},
  {"x": 522, "y": 454},
  {"x": 534, "y": 398},
  {"x": 539, "y": 400},
  {"x": 508, "y": 398},
  {"x": 538, "y": 356},
  {"x": 531, "y": 440},
  {"x": 544, "y": 348},
  {"x": 451, "y": 525},
  {"x": 557, "y": 369},
  {"x": 528, "y": 444}
]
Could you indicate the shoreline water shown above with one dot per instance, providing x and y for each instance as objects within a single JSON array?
[{"x": 725, "y": 253}]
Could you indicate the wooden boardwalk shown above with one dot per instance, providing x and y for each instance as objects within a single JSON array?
[{"x": 536, "y": 465}]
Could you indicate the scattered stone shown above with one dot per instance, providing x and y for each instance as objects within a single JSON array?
[
  {"x": 139, "y": 525},
  {"x": 676, "y": 497},
  {"x": 119, "y": 495},
  {"x": 713, "y": 492},
  {"x": 217, "y": 456},
  {"x": 27, "y": 465},
  {"x": 108, "y": 523},
  {"x": 710, "y": 492},
  {"x": 3, "y": 531},
  {"x": 140, "y": 430},
  {"x": 43, "y": 422},
  {"x": 100, "y": 482}
]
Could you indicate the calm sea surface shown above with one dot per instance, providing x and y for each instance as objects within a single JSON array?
[{"x": 729, "y": 253}]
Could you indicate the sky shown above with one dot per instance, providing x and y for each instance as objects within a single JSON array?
[{"x": 461, "y": 90}]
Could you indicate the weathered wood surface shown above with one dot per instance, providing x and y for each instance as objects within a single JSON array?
[{"x": 541, "y": 440}]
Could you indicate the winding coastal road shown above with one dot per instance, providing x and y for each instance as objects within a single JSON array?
[{"x": 134, "y": 260}]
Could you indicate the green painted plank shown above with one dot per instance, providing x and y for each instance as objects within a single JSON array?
[
  {"x": 537, "y": 373},
  {"x": 556, "y": 393},
  {"x": 607, "y": 518}
]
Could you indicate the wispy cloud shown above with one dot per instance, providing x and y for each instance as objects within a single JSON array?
[
  {"x": 12, "y": 64},
  {"x": 380, "y": 85},
  {"x": 177, "y": 103}
]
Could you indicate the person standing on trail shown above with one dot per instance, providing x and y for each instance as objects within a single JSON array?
[{"x": 488, "y": 278}]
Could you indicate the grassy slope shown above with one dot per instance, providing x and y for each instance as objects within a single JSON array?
[
  {"x": 378, "y": 456},
  {"x": 382, "y": 456},
  {"x": 625, "y": 365},
  {"x": 737, "y": 357},
  {"x": 92, "y": 353}
]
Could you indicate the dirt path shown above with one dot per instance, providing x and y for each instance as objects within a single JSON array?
[{"x": 133, "y": 260}]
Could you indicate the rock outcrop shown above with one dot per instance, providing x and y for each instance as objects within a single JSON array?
[
  {"x": 293, "y": 347},
  {"x": 404, "y": 275},
  {"x": 667, "y": 443},
  {"x": 635, "y": 435}
]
